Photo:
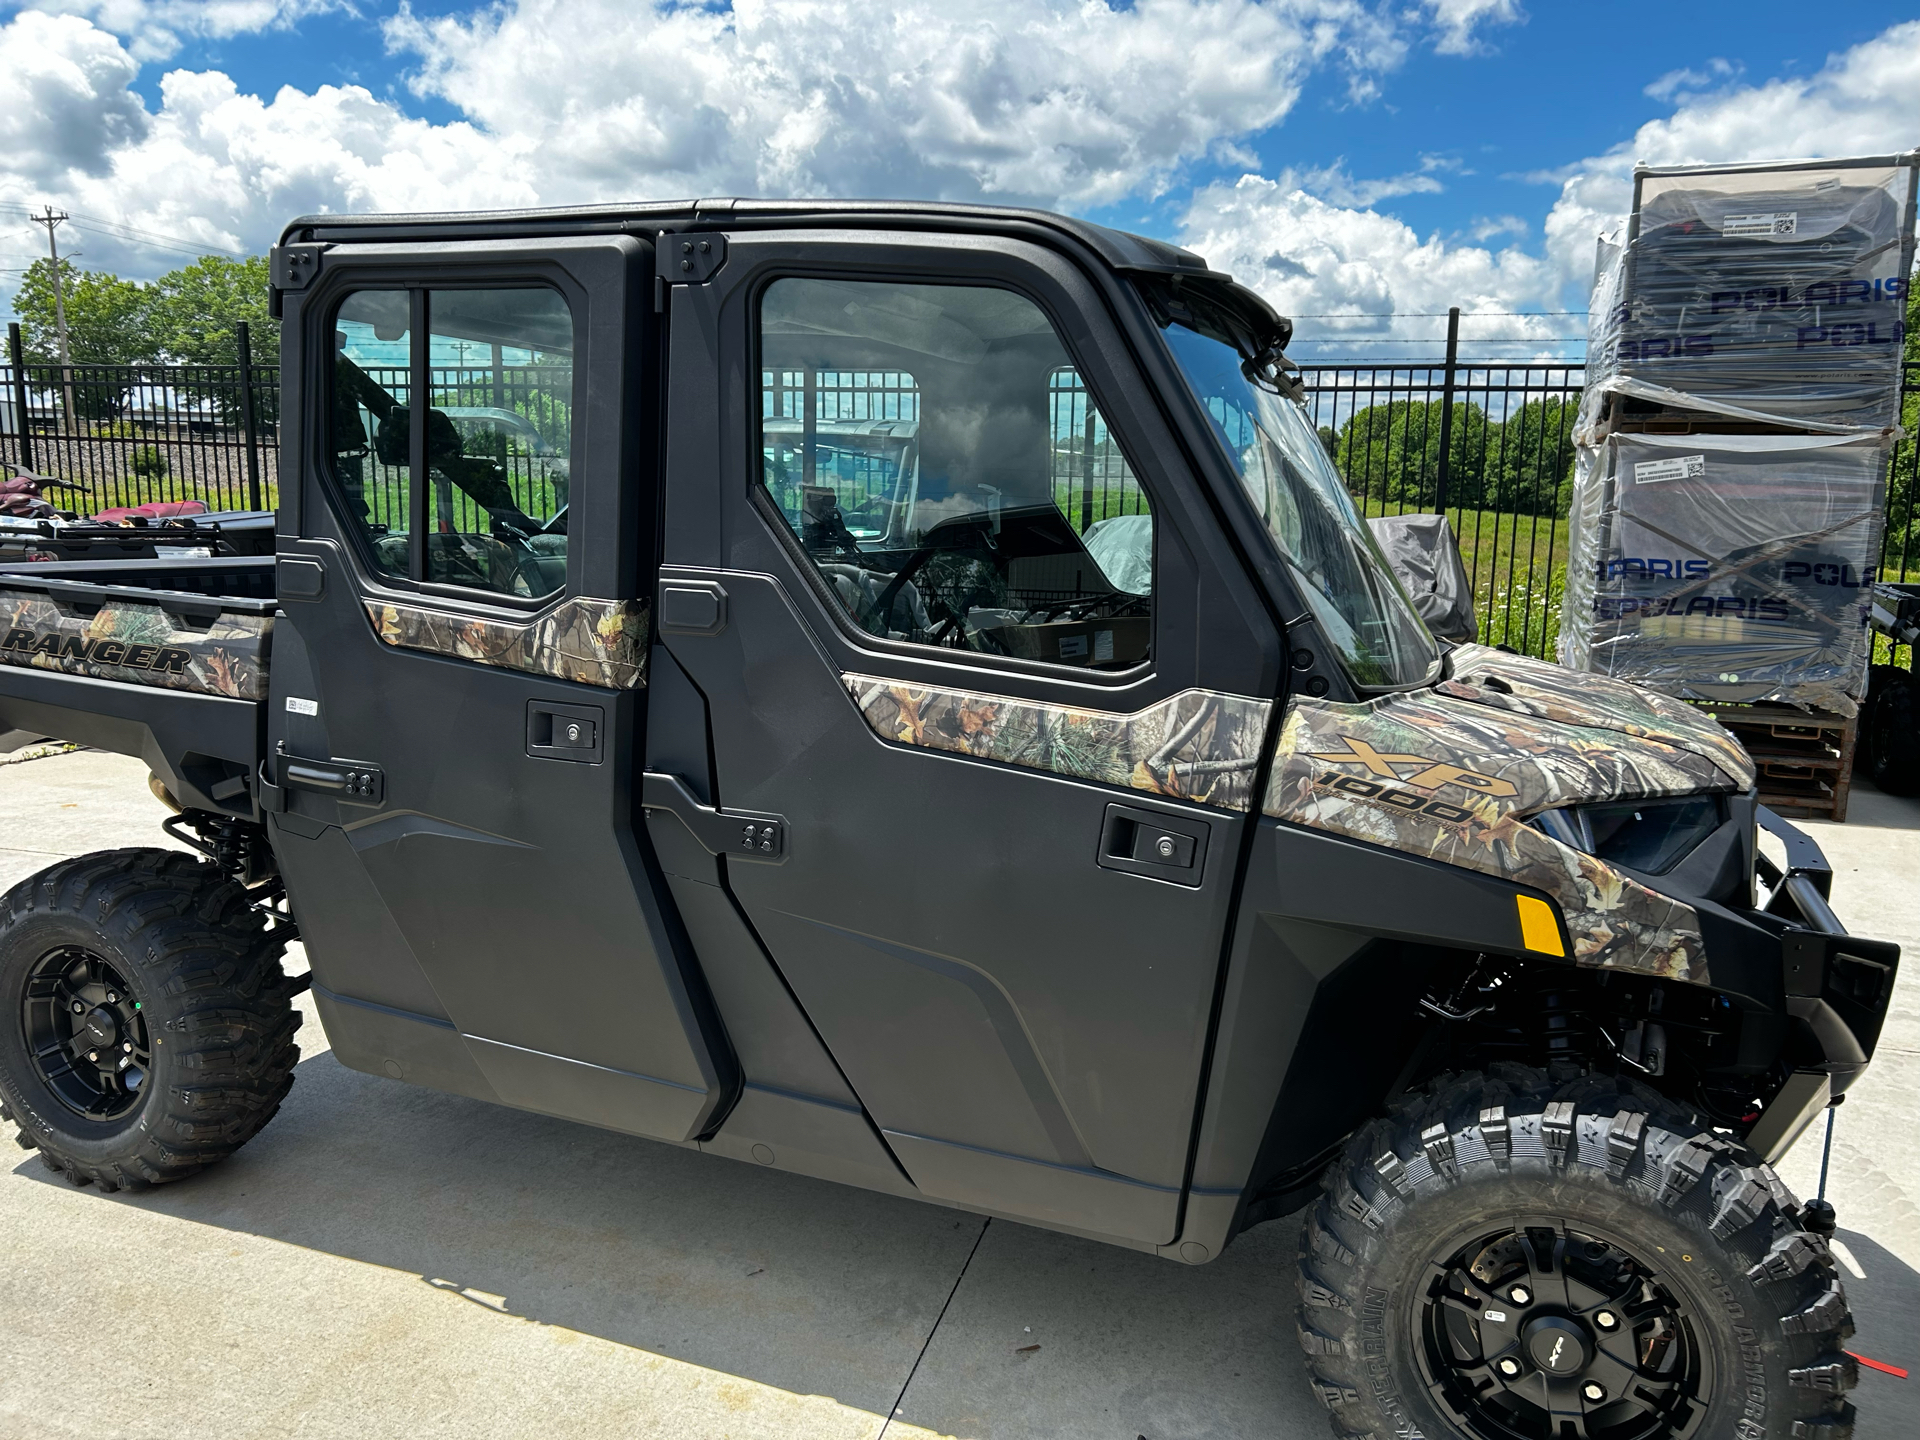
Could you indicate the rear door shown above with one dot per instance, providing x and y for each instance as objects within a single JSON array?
[
  {"x": 459, "y": 675},
  {"x": 967, "y": 633}
]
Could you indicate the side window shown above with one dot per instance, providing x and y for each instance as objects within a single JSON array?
[
  {"x": 372, "y": 343},
  {"x": 944, "y": 467},
  {"x": 498, "y": 431}
]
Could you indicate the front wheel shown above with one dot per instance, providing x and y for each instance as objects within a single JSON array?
[
  {"x": 1505, "y": 1259},
  {"x": 146, "y": 1027}
]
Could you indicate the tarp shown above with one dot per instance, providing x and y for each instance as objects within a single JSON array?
[
  {"x": 1760, "y": 294},
  {"x": 1731, "y": 568},
  {"x": 1422, "y": 551}
]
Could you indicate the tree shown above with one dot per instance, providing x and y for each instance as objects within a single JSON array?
[
  {"x": 1530, "y": 462},
  {"x": 1900, "y": 548},
  {"x": 107, "y": 317},
  {"x": 196, "y": 311},
  {"x": 1390, "y": 452},
  {"x": 196, "y": 308}
]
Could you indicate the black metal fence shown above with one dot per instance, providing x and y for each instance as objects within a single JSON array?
[
  {"x": 1491, "y": 446},
  {"x": 128, "y": 435},
  {"x": 517, "y": 417},
  {"x": 1488, "y": 443}
]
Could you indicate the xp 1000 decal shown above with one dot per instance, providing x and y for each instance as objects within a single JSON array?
[{"x": 1454, "y": 773}]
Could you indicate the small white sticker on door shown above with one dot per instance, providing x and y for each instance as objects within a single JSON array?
[
  {"x": 1681, "y": 467},
  {"x": 297, "y": 706},
  {"x": 1102, "y": 645},
  {"x": 1073, "y": 647},
  {"x": 1770, "y": 222}
]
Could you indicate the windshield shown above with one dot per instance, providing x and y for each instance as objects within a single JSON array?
[{"x": 1356, "y": 600}]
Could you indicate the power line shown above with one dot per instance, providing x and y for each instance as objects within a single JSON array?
[{"x": 113, "y": 229}]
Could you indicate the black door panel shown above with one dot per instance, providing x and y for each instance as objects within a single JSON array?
[
  {"x": 512, "y": 904},
  {"x": 944, "y": 920},
  {"x": 1025, "y": 1025},
  {"x": 514, "y": 879}
]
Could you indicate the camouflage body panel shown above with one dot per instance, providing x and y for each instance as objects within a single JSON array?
[
  {"x": 590, "y": 642},
  {"x": 1451, "y": 773},
  {"x": 1568, "y": 697},
  {"x": 1199, "y": 745},
  {"x": 137, "y": 643}
]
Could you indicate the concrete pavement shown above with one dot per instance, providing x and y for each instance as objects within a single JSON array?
[{"x": 387, "y": 1261}]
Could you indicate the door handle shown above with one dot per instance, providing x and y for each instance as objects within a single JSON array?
[
  {"x": 566, "y": 732},
  {"x": 354, "y": 780},
  {"x": 738, "y": 833},
  {"x": 1144, "y": 842}
]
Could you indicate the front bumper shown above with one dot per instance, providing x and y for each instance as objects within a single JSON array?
[{"x": 1839, "y": 984}]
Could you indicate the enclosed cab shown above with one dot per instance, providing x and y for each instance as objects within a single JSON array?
[{"x": 900, "y": 693}]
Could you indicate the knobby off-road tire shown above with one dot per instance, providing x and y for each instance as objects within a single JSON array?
[
  {"x": 1890, "y": 730},
  {"x": 1621, "y": 1220},
  {"x": 154, "y": 959}
]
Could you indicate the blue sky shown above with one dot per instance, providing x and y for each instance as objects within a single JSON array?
[{"x": 1347, "y": 156}]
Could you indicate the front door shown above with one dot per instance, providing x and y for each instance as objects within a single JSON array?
[
  {"x": 976, "y": 647},
  {"x": 459, "y": 677}
]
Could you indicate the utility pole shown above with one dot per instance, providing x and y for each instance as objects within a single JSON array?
[{"x": 53, "y": 219}]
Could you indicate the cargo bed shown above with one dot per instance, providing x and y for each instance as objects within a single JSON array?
[{"x": 164, "y": 659}]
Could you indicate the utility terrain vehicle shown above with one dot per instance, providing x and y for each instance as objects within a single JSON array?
[{"x": 899, "y": 693}]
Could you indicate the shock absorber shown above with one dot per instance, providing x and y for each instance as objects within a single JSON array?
[
  {"x": 1566, "y": 1027},
  {"x": 237, "y": 846}
]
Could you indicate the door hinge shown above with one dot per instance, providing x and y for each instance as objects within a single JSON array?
[
  {"x": 689, "y": 259},
  {"x": 741, "y": 834}
]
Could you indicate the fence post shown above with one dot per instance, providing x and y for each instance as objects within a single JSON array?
[
  {"x": 1086, "y": 466},
  {"x": 247, "y": 426},
  {"x": 18, "y": 355},
  {"x": 1446, "y": 410}
]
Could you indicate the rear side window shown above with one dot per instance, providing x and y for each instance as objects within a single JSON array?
[
  {"x": 948, "y": 473},
  {"x": 490, "y": 511}
]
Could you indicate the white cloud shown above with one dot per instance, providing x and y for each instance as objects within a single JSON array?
[
  {"x": 1485, "y": 227},
  {"x": 67, "y": 106},
  {"x": 1334, "y": 184},
  {"x": 153, "y": 29},
  {"x": 1068, "y": 102},
  {"x": 1300, "y": 241},
  {"x": 1332, "y": 265},
  {"x": 1861, "y": 102},
  {"x": 1064, "y": 103},
  {"x": 1458, "y": 22},
  {"x": 1675, "y": 82}
]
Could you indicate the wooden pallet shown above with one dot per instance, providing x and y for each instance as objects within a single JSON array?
[
  {"x": 1629, "y": 415},
  {"x": 1804, "y": 759}
]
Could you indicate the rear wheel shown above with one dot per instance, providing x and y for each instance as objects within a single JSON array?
[
  {"x": 146, "y": 1027},
  {"x": 1505, "y": 1259}
]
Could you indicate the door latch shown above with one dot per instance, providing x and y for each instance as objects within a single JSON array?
[
  {"x": 1143, "y": 842},
  {"x": 566, "y": 732}
]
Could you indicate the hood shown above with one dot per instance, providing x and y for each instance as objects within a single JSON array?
[
  {"x": 1553, "y": 693},
  {"x": 1452, "y": 773}
]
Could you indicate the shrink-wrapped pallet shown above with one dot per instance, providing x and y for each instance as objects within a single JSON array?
[
  {"x": 1728, "y": 568},
  {"x": 1771, "y": 293}
]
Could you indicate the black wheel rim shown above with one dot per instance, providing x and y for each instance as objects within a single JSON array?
[
  {"x": 1546, "y": 1331},
  {"x": 87, "y": 1033}
]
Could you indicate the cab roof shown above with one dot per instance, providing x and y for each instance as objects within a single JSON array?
[{"x": 1118, "y": 248}]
